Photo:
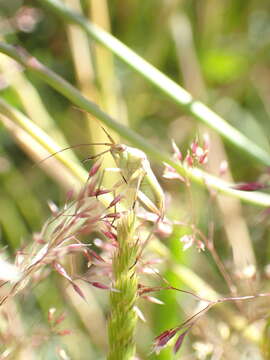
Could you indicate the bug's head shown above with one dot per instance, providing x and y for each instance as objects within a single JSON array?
[{"x": 117, "y": 150}]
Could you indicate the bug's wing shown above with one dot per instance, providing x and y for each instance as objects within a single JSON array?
[
  {"x": 132, "y": 188},
  {"x": 150, "y": 183}
]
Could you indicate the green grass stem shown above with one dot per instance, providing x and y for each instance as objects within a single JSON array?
[
  {"x": 167, "y": 86},
  {"x": 69, "y": 91}
]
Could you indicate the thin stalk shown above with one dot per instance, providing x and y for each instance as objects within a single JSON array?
[
  {"x": 89, "y": 71},
  {"x": 202, "y": 289},
  {"x": 42, "y": 138},
  {"x": 234, "y": 222},
  {"x": 99, "y": 14},
  {"x": 168, "y": 87},
  {"x": 36, "y": 152},
  {"x": 123, "y": 318},
  {"x": 66, "y": 89},
  {"x": 31, "y": 100},
  {"x": 83, "y": 63}
]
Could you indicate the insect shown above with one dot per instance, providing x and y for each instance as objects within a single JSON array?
[{"x": 136, "y": 172}]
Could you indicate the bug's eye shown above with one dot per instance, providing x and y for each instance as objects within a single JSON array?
[{"x": 120, "y": 147}]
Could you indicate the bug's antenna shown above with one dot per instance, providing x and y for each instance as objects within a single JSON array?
[
  {"x": 108, "y": 135},
  {"x": 102, "y": 127},
  {"x": 96, "y": 156},
  {"x": 69, "y": 148}
]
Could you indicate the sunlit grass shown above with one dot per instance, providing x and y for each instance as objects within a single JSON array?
[{"x": 218, "y": 53}]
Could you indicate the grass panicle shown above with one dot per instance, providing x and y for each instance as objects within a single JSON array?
[{"x": 123, "y": 317}]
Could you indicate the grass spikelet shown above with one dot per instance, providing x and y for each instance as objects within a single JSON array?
[{"x": 123, "y": 316}]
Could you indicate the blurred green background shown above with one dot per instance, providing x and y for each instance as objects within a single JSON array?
[{"x": 220, "y": 52}]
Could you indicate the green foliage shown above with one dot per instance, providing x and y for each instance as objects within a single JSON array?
[
  {"x": 224, "y": 67},
  {"x": 219, "y": 53}
]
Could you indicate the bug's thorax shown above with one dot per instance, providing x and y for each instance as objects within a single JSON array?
[
  {"x": 127, "y": 158},
  {"x": 135, "y": 169}
]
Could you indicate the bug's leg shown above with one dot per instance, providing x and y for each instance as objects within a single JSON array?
[
  {"x": 115, "y": 209},
  {"x": 100, "y": 180},
  {"x": 139, "y": 179},
  {"x": 145, "y": 242},
  {"x": 138, "y": 176},
  {"x": 114, "y": 187},
  {"x": 149, "y": 205},
  {"x": 132, "y": 187},
  {"x": 155, "y": 188},
  {"x": 104, "y": 171}
]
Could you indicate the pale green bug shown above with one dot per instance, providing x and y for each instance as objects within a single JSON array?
[{"x": 135, "y": 170}]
